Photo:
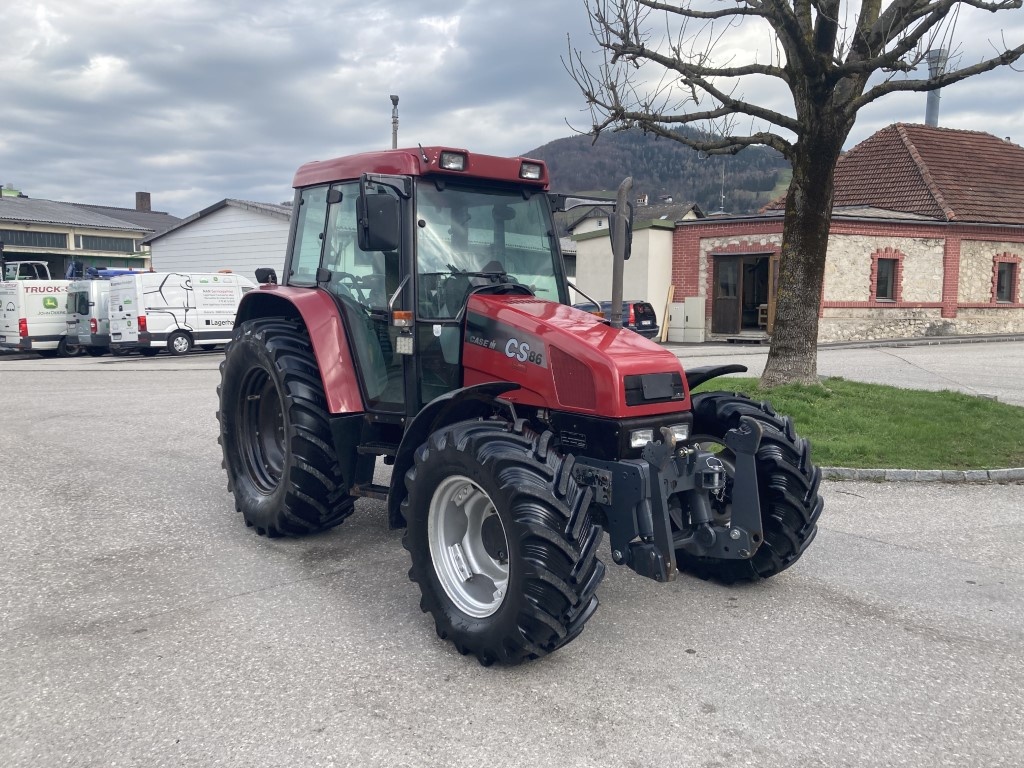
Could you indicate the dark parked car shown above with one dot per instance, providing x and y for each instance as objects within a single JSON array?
[{"x": 638, "y": 316}]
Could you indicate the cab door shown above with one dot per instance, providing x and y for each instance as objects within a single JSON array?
[{"x": 326, "y": 255}]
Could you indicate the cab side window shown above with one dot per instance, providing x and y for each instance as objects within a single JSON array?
[{"x": 309, "y": 236}]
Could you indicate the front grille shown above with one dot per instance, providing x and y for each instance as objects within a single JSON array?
[{"x": 574, "y": 384}]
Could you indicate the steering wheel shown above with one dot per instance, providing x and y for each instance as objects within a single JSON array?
[{"x": 351, "y": 283}]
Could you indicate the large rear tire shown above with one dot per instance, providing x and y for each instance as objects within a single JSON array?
[
  {"x": 275, "y": 433},
  {"x": 502, "y": 545},
  {"x": 787, "y": 488}
]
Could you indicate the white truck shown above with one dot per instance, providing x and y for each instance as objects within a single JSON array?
[
  {"x": 26, "y": 270},
  {"x": 151, "y": 311},
  {"x": 33, "y": 317}
]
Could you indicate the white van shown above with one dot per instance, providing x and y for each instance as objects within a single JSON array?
[
  {"x": 176, "y": 311},
  {"x": 33, "y": 317},
  {"x": 88, "y": 318}
]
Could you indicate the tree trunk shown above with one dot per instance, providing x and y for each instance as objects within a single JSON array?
[{"x": 793, "y": 356}]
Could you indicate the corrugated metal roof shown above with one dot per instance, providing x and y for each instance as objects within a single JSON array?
[
  {"x": 32, "y": 211},
  {"x": 152, "y": 221}
]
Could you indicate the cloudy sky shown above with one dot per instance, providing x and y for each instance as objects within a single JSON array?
[{"x": 198, "y": 100}]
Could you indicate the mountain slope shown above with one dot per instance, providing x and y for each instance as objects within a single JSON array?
[{"x": 662, "y": 167}]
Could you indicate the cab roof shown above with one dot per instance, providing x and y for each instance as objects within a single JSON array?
[{"x": 421, "y": 161}]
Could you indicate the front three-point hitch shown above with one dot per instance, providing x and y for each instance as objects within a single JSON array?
[{"x": 641, "y": 498}]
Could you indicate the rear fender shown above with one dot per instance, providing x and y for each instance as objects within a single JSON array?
[
  {"x": 459, "y": 405},
  {"x": 319, "y": 313}
]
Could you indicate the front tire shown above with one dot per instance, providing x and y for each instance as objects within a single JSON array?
[
  {"x": 502, "y": 545},
  {"x": 275, "y": 432},
  {"x": 787, "y": 488}
]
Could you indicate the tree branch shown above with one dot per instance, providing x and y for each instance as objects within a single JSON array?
[
  {"x": 753, "y": 9},
  {"x": 931, "y": 84}
]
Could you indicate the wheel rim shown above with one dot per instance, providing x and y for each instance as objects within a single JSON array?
[
  {"x": 468, "y": 546},
  {"x": 260, "y": 431},
  {"x": 180, "y": 344}
]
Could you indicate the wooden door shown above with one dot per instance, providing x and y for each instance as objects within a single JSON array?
[{"x": 725, "y": 305}]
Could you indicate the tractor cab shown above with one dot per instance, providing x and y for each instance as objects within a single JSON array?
[{"x": 401, "y": 253}]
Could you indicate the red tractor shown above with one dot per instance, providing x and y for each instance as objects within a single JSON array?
[{"x": 423, "y": 319}]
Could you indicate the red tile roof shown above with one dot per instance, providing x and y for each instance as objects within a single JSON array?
[{"x": 941, "y": 173}]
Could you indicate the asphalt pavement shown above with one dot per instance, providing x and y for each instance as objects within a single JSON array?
[{"x": 143, "y": 624}]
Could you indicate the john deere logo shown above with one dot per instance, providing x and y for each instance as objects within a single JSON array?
[{"x": 49, "y": 302}]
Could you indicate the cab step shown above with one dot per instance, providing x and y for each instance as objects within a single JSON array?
[
  {"x": 370, "y": 491},
  {"x": 378, "y": 449}
]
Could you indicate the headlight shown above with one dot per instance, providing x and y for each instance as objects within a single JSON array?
[
  {"x": 680, "y": 432},
  {"x": 530, "y": 171},
  {"x": 638, "y": 438},
  {"x": 453, "y": 161}
]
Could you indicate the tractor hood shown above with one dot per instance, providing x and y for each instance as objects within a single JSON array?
[{"x": 569, "y": 360}]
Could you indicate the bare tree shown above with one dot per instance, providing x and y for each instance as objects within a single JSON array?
[{"x": 833, "y": 56}]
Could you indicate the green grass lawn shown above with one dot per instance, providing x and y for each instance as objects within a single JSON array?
[{"x": 870, "y": 426}]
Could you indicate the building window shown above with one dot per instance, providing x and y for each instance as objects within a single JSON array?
[
  {"x": 887, "y": 275},
  {"x": 117, "y": 244},
  {"x": 24, "y": 239},
  {"x": 885, "y": 280},
  {"x": 1006, "y": 279}
]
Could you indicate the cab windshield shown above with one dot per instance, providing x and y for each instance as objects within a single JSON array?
[{"x": 468, "y": 237}]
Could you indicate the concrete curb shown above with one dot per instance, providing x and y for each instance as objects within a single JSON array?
[{"x": 926, "y": 475}]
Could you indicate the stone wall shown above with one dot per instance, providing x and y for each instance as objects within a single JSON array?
[
  {"x": 848, "y": 267},
  {"x": 849, "y": 312},
  {"x": 976, "y": 259},
  {"x": 853, "y": 324}
]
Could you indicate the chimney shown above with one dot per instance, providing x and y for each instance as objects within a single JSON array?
[
  {"x": 936, "y": 66},
  {"x": 142, "y": 202}
]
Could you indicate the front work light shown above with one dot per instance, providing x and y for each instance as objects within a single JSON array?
[
  {"x": 680, "y": 432},
  {"x": 638, "y": 438},
  {"x": 453, "y": 161},
  {"x": 530, "y": 171}
]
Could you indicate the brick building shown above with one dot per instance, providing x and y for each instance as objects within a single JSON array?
[{"x": 926, "y": 239}]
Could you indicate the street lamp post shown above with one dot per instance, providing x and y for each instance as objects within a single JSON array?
[{"x": 394, "y": 121}]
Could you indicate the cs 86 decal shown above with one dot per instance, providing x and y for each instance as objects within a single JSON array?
[{"x": 521, "y": 351}]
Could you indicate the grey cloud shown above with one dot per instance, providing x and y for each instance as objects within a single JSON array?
[{"x": 226, "y": 99}]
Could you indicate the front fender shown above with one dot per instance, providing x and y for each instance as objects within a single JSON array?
[{"x": 458, "y": 405}]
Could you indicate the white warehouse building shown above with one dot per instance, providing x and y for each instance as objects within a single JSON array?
[{"x": 232, "y": 235}]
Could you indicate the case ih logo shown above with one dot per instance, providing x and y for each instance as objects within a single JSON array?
[
  {"x": 490, "y": 334},
  {"x": 49, "y": 302},
  {"x": 45, "y": 289}
]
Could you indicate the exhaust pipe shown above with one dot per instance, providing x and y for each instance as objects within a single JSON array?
[{"x": 621, "y": 232}]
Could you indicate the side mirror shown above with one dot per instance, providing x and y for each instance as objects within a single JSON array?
[
  {"x": 266, "y": 276},
  {"x": 378, "y": 228}
]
